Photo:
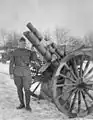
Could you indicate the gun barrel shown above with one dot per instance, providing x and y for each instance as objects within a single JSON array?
[
  {"x": 56, "y": 50},
  {"x": 34, "y": 40},
  {"x": 34, "y": 31}
]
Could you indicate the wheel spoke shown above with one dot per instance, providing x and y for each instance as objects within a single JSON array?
[
  {"x": 84, "y": 99},
  {"x": 62, "y": 85},
  {"x": 89, "y": 82},
  {"x": 69, "y": 97},
  {"x": 89, "y": 95},
  {"x": 70, "y": 89},
  {"x": 75, "y": 68},
  {"x": 67, "y": 77},
  {"x": 89, "y": 72},
  {"x": 71, "y": 72},
  {"x": 73, "y": 102},
  {"x": 89, "y": 86},
  {"x": 86, "y": 66},
  {"x": 88, "y": 79},
  {"x": 79, "y": 100},
  {"x": 81, "y": 65},
  {"x": 36, "y": 87}
]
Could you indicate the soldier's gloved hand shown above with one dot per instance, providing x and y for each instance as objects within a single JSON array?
[{"x": 11, "y": 76}]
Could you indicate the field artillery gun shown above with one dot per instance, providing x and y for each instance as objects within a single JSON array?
[{"x": 69, "y": 76}]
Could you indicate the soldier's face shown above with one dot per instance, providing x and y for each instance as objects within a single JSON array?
[{"x": 22, "y": 44}]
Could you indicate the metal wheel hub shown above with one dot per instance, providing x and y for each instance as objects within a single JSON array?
[{"x": 82, "y": 85}]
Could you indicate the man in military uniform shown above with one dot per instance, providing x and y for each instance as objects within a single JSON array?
[{"x": 19, "y": 71}]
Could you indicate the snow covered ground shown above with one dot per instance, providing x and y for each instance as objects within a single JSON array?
[{"x": 8, "y": 102}]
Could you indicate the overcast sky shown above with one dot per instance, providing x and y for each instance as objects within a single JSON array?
[{"x": 76, "y": 15}]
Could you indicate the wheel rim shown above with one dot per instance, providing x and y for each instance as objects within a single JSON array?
[{"x": 73, "y": 86}]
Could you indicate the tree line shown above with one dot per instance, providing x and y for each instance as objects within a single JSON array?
[{"x": 9, "y": 40}]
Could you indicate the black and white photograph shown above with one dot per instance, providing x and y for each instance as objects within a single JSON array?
[{"x": 46, "y": 59}]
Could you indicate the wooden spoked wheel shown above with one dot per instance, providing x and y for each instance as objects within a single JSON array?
[
  {"x": 73, "y": 85},
  {"x": 35, "y": 82}
]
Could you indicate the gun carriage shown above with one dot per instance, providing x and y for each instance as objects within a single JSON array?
[{"x": 69, "y": 75}]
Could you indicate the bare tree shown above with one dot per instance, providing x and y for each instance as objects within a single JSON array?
[
  {"x": 88, "y": 39},
  {"x": 61, "y": 35},
  {"x": 3, "y": 34},
  {"x": 12, "y": 40}
]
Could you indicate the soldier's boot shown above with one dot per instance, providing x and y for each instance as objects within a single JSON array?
[
  {"x": 27, "y": 99},
  {"x": 21, "y": 99}
]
